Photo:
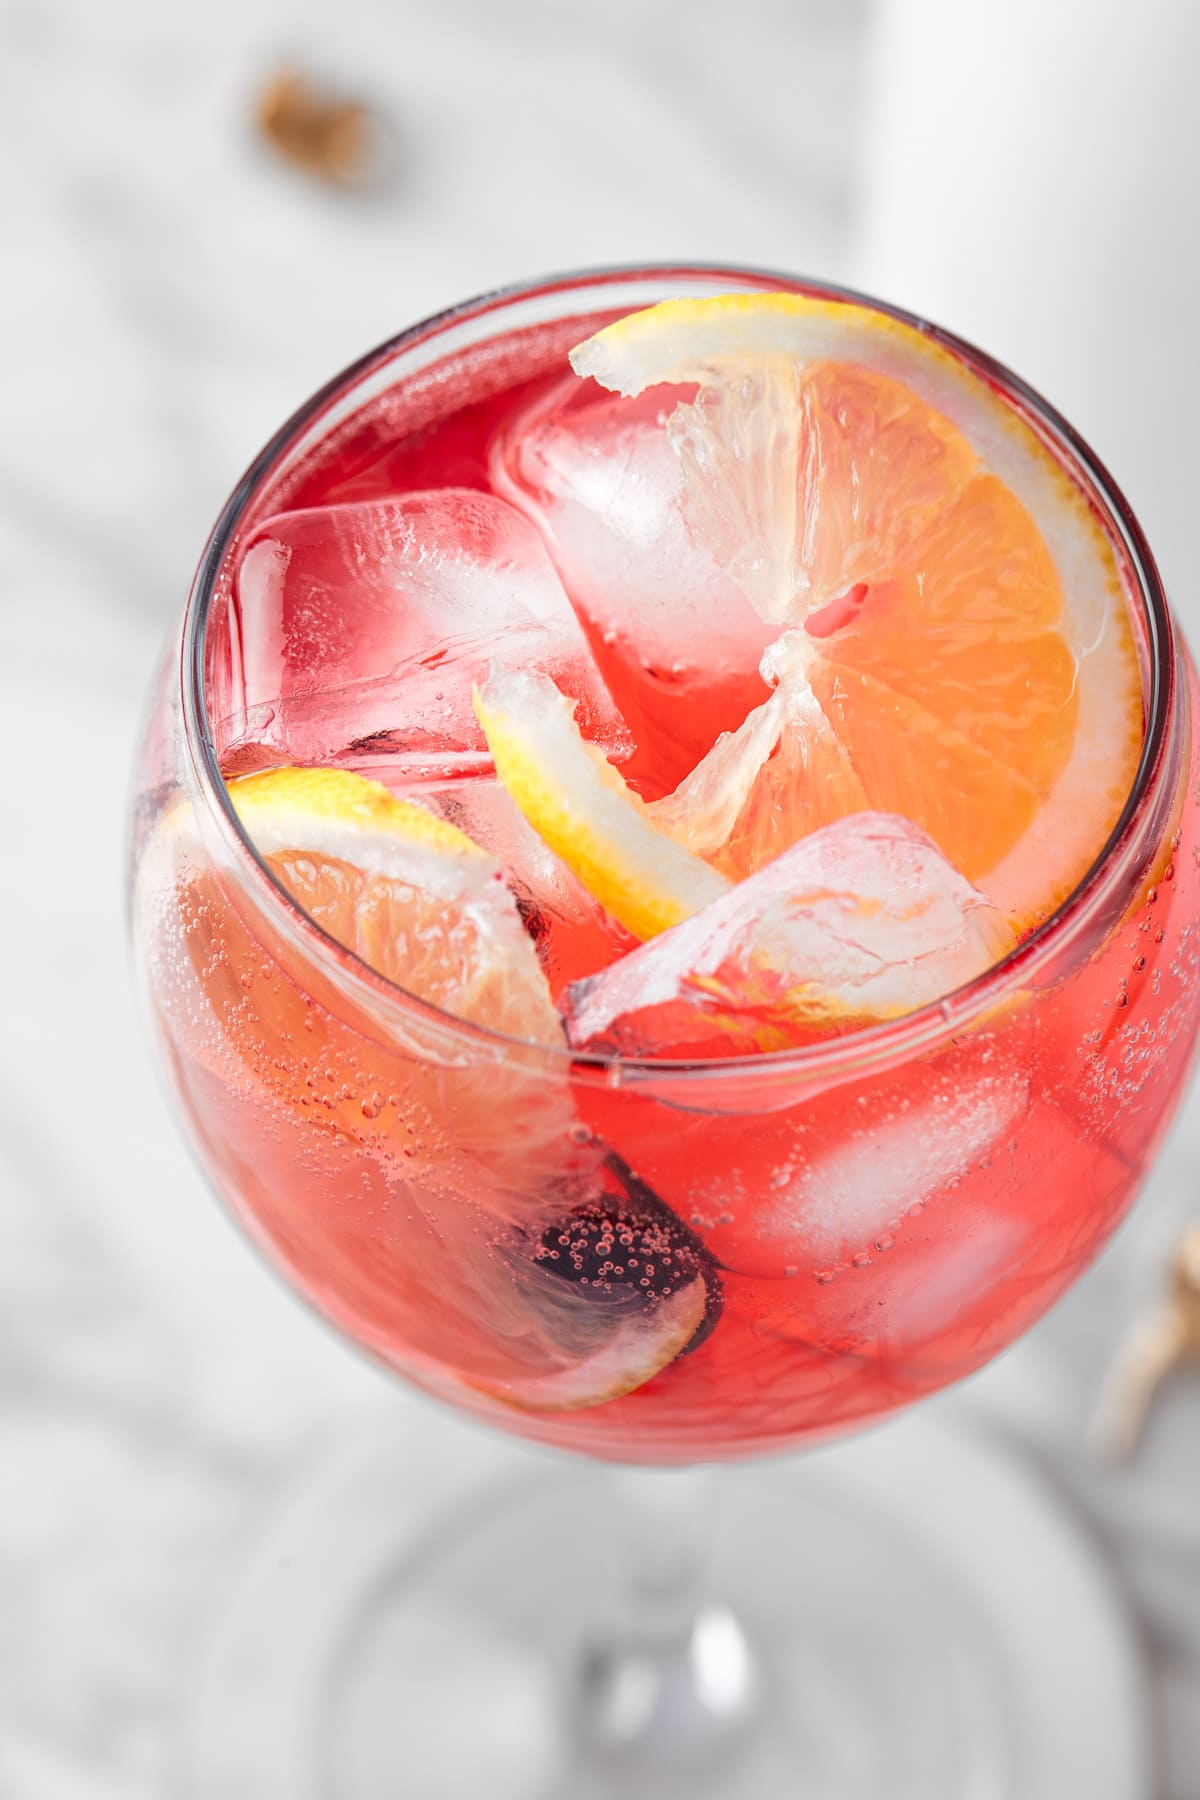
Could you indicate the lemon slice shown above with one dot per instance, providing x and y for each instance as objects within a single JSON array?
[
  {"x": 475, "y": 1168},
  {"x": 408, "y": 892},
  {"x": 423, "y": 906},
  {"x": 955, "y": 616},
  {"x": 580, "y": 806}
]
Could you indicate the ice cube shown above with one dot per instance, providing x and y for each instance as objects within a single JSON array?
[
  {"x": 960, "y": 1269},
  {"x": 678, "y": 642},
  {"x": 863, "y": 920},
  {"x": 357, "y": 631},
  {"x": 918, "y": 1135}
]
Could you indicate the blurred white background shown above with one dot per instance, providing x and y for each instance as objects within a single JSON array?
[{"x": 171, "y": 289}]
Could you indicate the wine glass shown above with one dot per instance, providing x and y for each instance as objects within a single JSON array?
[{"x": 413, "y": 1175}]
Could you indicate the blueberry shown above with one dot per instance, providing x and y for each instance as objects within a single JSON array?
[{"x": 625, "y": 1240}]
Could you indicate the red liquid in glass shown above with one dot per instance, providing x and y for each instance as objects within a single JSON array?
[{"x": 873, "y": 1236}]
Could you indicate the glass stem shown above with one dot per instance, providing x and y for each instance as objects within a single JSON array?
[{"x": 671, "y": 1684}]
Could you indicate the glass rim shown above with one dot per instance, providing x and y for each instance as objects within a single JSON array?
[{"x": 866, "y": 1046}]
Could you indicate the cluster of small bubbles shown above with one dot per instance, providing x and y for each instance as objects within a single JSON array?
[{"x": 372, "y": 1105}]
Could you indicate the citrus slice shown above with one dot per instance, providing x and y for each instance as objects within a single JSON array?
[
  {"x": 958, "y": 635},
  {"x": 424, "y": 1195},
  {"x": 408, "y": 892},
  {"x": 420, "y": 903},
  {"x": 582, "y": 808}
]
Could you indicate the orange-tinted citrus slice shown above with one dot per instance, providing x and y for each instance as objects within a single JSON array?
[
  {"x": 958, "y": 646},
  {"x": 485, "y": 1156},
  {"x": 408, "y": 892}
]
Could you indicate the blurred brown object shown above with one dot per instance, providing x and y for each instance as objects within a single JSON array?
[
  {"x": 1165, "y": 1340},
  {"x": 327, "y": 135}
]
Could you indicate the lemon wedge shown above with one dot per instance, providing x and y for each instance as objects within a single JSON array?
[{"x": 579, "y": 805}]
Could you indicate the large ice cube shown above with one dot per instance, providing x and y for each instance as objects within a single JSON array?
[
  {"x": 678, "y": 642},
  {"x": 357, "y": 631},
  {"x": 852, "y": 1169},
  {"x": 862, "y": 920},
  {"x": 918, "y": 1135}
]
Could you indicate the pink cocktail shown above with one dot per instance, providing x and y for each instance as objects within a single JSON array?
[{"x": 673, "y": 1248}]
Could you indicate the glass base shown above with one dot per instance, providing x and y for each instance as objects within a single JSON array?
[{"x": 437, "y": 1614}]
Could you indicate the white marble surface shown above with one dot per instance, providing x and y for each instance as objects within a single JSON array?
[{"x": 169, "y": 292}]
